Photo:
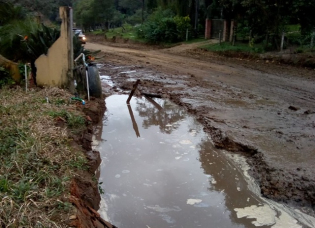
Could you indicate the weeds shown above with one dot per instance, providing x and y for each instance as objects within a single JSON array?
[
  {"x": 79, "y": 163},
  {"x": 71, "y": 119},
  {"x": 59, "y": 101},
  {"x": 239, "y": 47},
  {"x": 100, "y": 189},
  {"x": 36, "y": 159},
  {"x": 5, "y": 77}
]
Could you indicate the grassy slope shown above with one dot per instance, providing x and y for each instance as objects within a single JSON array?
[{"x": 37, "y": 161}]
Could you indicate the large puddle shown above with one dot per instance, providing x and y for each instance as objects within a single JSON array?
[{"x": 160, "y": 170}]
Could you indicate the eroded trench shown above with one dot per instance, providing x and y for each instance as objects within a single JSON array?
[{"x": 160, "y": 169}]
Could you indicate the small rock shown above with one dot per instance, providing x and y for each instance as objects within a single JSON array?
[
  {"x": 305, "y": 178},
  {"x": 73, "y": 217},
  {"x": 307, "y": 112},
  {"x": 293, "y": 108}
]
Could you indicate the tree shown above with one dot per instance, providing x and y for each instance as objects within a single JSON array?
[
  {"x": 303, "y": 13},
  {"x": 104, "y": 11},
  {"x": 45, "y": 8},
  {"x": 151, "y": 5},
  {"x": 9, "y": 12},
  {"x": 83, "y": 14}
]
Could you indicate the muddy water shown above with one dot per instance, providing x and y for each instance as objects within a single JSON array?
[{"x": 160, "y": 170}]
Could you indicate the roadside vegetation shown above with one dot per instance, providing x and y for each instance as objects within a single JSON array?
[
  {"x": 263, "y": 26},
  {"x": 126, "y": 31},
  {"x": 38, "y": 159},
  {"x": 238, "y": 47},
  {"x": 260, "y": 23}
]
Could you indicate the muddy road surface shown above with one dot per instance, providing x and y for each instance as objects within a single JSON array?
[{"x": 260, "y": 109}]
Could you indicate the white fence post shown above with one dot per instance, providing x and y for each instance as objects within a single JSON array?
[
  {"x": 187, "y": 34},
  {"x": 25, "y": 76},
  {"x": 282, "y": 41}
]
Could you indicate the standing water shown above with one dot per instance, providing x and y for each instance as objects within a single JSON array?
[{"x": 160, "y": 170}]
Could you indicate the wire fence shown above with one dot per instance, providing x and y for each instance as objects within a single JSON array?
[{"x": 293, "y": 42}]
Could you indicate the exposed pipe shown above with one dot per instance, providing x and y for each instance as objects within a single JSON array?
[
  {"x": 86, "y": 73},
  {"x": 25, "y": 70}
]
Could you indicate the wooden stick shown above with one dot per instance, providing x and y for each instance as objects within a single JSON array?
[
  {"x": 133, "y": 91},
  {"x": 134, "y": 123},
  {"x": 151, "y": 95},
  {"x": 154, "y": 103}
]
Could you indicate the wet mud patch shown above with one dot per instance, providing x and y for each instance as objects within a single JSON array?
[
  {"x": 160, "y": 169},
  {"x": 258, "y": 128}
]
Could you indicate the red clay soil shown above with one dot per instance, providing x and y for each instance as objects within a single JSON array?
[{"x": 84, "y": 191}]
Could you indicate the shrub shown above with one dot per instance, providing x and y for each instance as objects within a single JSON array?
[
  {"x": 164, "y": 26},
  {"x": 5, "y": 77}
]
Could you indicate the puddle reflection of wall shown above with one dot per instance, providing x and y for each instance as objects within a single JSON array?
[{"x": 164, "y": 118}]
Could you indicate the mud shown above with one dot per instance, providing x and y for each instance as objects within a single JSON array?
[
  {"x": 84, "y": 188},
  {"x": 159, "y": 169},
  {"x": 242, "y": 104}
]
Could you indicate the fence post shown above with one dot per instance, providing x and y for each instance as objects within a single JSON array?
[
  {"x": 282, "y": 41},
  {"x": 186, "y": 34},
  {"x": 234, "y": 36},
  {"x": 220, "y": 37}
]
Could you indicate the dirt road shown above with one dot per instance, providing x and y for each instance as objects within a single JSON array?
[{"x": 261, "y": 109}]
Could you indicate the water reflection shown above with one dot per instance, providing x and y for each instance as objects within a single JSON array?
[
  {"x": 160, "y": 113},
  {"x": 134, "y": 123},
  {"x": 170, "y": 176},
  {"x": 225, "y": 177}
]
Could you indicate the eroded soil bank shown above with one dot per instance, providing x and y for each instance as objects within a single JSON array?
[
  {"x": 85, "y": 194},
  {"x": 264, "y": 111}
]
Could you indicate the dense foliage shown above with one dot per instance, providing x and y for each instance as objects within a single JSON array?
[
  {"x": 261, "y": 17},
  {"x": 164, "y": 26},
  {"x": 23, "y": 39},
  {"x": 44, "y": 8}
]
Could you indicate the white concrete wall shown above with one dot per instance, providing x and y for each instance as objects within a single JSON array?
[{"x": 53, "y": 69}]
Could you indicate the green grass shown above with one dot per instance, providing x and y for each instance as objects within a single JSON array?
[
  {"x": 239, "y": 47},
  {"x": 195, "y": 40},
  {"x": 293, "y": 28},
  {"x": 72, "y": 120},
  {"x": 125, "y": 32},
  {"x": 98, "y": 32},
  {"x": 37, "y": 161}
]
